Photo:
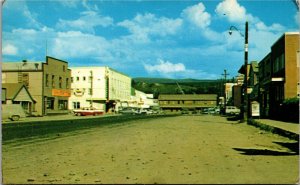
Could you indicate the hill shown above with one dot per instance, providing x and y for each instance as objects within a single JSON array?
[{"x": 158, "y": 86}]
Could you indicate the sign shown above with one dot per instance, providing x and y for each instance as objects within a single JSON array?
[
  {"x": 249, "y": 90},
  {"x": 61, "y": 92},
  {"x": 255, "y": 108},
  {"x": 78, "y": 92}
]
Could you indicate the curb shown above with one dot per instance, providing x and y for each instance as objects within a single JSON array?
[{"x": 274, "y": 130}]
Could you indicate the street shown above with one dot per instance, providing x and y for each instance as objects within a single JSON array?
[{"x": 183, "y": 149}]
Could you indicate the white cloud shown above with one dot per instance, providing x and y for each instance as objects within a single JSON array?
[
  {"x": 69, "y": 3},
  {"x": 143, "y": 26},
  {"x": 9, "y": 49},
  {"x": 176, "y": 70},
  {"x": 73, "y": 44},
  {"x": 165, "y": 67},
  {"x": 232, "y": 10},
  {"x": 197, "y": 15},
  {"x": 87, "y": 22}
]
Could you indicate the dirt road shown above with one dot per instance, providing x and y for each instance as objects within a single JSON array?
[{"x": 185, "y": 149}]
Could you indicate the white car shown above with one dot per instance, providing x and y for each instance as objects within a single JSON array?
[
  {"x": 232, "y": 110},
  {"x": 13, "y": 112}
]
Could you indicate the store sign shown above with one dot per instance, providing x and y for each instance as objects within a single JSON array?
[
  {"x": 61, "y": 92},
  {"x": 78, "y": 93},
  {"x": 255, "y": 108}
]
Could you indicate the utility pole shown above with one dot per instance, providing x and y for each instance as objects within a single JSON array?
[
  {"x": 246, "y": 97},
  {"x": 225, "y": 78}
]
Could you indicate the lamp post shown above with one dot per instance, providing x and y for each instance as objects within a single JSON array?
[{"x": 245, "y": 97}]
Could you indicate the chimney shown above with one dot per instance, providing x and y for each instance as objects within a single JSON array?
[
  {"x": 24, "y": 62},
  {"x": 36, "y": 66}
]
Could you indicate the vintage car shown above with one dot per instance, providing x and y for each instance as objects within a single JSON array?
[
  {"x": 85, "y": 111},
  {"x": 13, "y": 112}
]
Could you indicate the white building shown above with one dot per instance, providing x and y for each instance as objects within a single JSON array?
[
  {"x": 99, "y": 87},
  {"x": 142, "y": 100}
]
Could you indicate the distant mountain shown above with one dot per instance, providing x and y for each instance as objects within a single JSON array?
[
  {"x": 168, "y": 80},
  {"x": 158, "y": 86}
]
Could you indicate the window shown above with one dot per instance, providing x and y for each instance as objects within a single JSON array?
[
  {"x": 67, "y": 83},
  {"x": 47, "y": 80},
  {"x": 62, "y": 104},
  {"x": 64, "y": 68},
  {"x": 76, "y": 105},
  {"x": 72, "y": 79},
  {"x": 60, "y": 82},
  {"x": 50, "y": 103},
  {"x": 77, "y": 78},
  {"x": 84, "y": 78},
  {"x": 25, "y": 79},
  {"x": 281, "y": 65},
  {"x": 90, "y": 91},
  {"x": 53, "y": 81}
]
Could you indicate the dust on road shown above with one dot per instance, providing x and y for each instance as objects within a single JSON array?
[{"x": 185, "y": 149}]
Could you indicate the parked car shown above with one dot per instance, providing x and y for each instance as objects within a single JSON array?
[
  {"x": 12, "y": 111},
  {"x": 129, "y": 110},
  {"x": 232, "y": 110},
  {"x": 185, "y": 111},
  {"x": 85, "y": 111}
]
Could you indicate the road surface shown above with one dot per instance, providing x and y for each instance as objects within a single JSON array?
[{"x": 185, "y": 149}]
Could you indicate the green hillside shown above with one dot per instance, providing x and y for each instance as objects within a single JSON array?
[{"x": 158, "y": 86}]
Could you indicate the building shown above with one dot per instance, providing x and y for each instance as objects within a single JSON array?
[
  {"x": 47, "y": 82},
  {"x": 176, "y": 102},
  {"x": 142, "y": 100},
  {"x": 17, "y": 93},
  {"x": 278, "y": 75},
  {"x": 100, "y": 87}
]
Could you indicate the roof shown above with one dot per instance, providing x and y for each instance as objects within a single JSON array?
[
  {"x": 13, "y": 89},
  {"x": 21, "y": 66},
  {"x": 187, "y": 97},
  {"x": 242, "y": 70}
]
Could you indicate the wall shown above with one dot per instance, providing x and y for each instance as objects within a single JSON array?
[{"x": 291, "y": 71}]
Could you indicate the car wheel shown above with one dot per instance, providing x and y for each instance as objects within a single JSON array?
[{"x": 15, "y": 117}]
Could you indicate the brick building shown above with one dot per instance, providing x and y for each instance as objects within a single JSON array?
[{"x": 278, "y": 74}]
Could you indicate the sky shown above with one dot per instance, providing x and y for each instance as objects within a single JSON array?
[{"x": 146, "y": 38}]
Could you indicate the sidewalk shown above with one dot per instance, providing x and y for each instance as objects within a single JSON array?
[{"x": 286, "y": 129}]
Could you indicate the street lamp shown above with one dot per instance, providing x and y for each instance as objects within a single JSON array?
[{"x": 245, "y": 97}]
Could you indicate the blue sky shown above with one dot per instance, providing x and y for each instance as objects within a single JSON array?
[{"x": 143, "y": 38}]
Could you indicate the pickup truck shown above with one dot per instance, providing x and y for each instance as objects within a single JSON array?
[{"x": 85, "y": 111}]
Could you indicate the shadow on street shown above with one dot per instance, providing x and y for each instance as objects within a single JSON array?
[{"x": 293, "y": 147}]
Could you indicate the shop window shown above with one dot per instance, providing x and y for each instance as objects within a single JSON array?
[
  {"x": 50, "y": 103},
  {"x": 62, "y": 104}
]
